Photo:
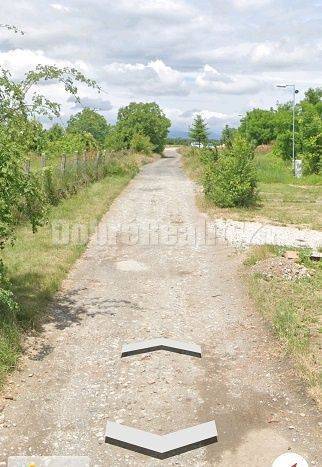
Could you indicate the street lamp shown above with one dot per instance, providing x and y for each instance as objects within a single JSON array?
[{"x": 295, "y": 91}]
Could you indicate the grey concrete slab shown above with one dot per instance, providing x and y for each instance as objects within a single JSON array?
[
  {"x": 160, "y": 446},
  {"x": 161, "y": 343}
]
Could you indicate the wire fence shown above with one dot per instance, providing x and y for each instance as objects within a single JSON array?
[{"x": 64, "y": 176}]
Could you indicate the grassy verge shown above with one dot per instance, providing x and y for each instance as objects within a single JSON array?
[
  {"x": 283, "y": 199},
  {"x": 36, "y": 266},
  {"x": 293, "y": 309}
]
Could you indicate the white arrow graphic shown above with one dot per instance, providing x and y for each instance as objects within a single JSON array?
[
  {"x": 161, "y": 343},
  {"x": 159, "y": 446}
]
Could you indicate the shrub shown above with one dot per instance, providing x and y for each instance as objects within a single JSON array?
[
  {"x": 8, "y": 306},
  {"x": 231, "y": 181},
  {"x": 115, "y": 141},
  {"x": 208, "y": 155},
  {"x": 312, "y": 163},
  {"x": 141, "y": 143}
]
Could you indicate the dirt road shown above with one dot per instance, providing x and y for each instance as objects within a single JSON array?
[{"x": 140, "y": 284}]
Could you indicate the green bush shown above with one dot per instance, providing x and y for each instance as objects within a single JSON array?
[
  {"x": 312, "y": 163},
  {"x": 207, "y": 155},
  {"x": 283, "y": 145},
  {"x": 115, "y": 141},
  {"x": 141, "y": 143},
  {"x": 231, "y": 181},
  {"x": 8, "y": 306}
]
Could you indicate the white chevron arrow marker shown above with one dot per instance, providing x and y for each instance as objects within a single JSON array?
[
  {"x": 161, "y": 343},
  {"x": 159, "y": 446}
]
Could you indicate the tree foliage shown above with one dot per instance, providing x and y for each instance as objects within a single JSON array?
[
  {"x": 89, "y": 121},
  {"x": 146, "y": 119},
  {"x": 198, "y": 131},
  {"x": 141, "y": 143},
  {"x": 20, "y": 135},
  {"x": 259, "y": 126},
  {"x": 275, "y": 125},
  {"x": 227, "y": 135}
]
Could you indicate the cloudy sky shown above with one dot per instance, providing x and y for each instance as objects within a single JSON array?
[{"x": 216, "y": 57}]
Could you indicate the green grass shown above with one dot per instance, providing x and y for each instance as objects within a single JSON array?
[
  {"x": 36, "y": 267},
  {"x": 294, "y": 311},
  {"x": 284, "y": 199},
  {"x": 273, "y": 169}
]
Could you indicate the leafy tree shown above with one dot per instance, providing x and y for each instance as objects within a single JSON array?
[
  {"x": 54, "y": 133},
  {"x": 70, "y": 144},
  {"x": 263, "y": 126},
  {"x": 115, "y": 140},
  {"x": 308, "y": 131},
  {"x": 309, "y": 136},
  {"x": 91, "y": 122},
  {"x": 143, "y": 118},
  {"x": 227, "y": 135},
  {"x": 314, "y": 96},
  {"x": 198, "y": 131},
  {"x": 20, "y": 104},
  {"x": 258, "y": 125},
  {"x": 19, "y": 191}
]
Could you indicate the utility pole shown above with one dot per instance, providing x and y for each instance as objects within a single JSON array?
[{"x": 295, "y": 91}]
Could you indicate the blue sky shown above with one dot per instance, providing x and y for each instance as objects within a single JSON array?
[{"x": 220, "y": 58}]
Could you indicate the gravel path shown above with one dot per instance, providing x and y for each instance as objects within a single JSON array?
[
  {"x": 138, "y": 284},
  {"x": 257, "y": 233}
]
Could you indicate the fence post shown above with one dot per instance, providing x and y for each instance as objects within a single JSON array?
[
  {"x": 97, "y": 163},
  {"x": 63, "y": 163},
  {"x": 27, "y": 166},
  {"x": 77, "y": 161},
  {"x": 43, "y": 161}
]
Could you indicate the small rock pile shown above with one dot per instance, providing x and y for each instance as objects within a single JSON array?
[{"x": 281, "y": 267}]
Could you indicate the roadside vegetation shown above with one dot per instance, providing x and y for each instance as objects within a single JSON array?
[
  {"x": 249, "y": 176},
  {"x": 199, "y": 132},
  {"x": 35, "y": 265},
  {"x": 292, "y": 307},
  {"x": 276, "y": 195},
  {"x": 282, "y": 198},
  {"x": 70, "y": 173},
  {"x": 142, "y": 124}
]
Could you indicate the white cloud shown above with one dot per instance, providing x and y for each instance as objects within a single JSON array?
[
  {"x": 59, "y": 7},
  {"x": 178, "y": 10},
  {"x": 184, "y": 54},
  {"x": 94, "y": 103},
  {"x": 276, "y": 54},
  {"x": 154, "y": 78},
  {"x": 210, "y": 80},
  {"x": 243, "y": 4},
  {"x": 19, "y": 61}
]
